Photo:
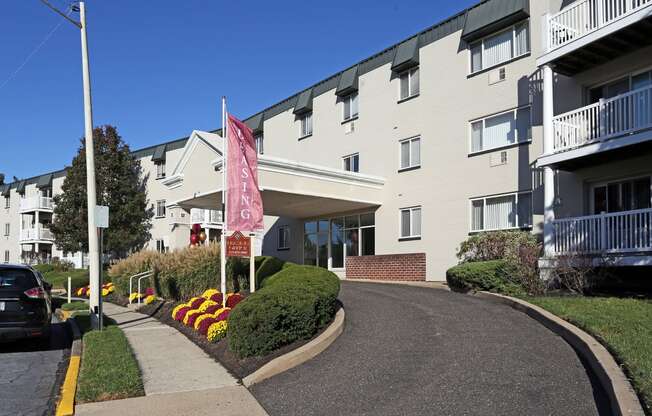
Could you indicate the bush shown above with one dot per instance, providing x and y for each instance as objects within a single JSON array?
[
  {"x": 293, "y": 304},
  {"x": 55, "y": 265},
  {"x": 267, "y": 266},
  {"x": 491, "y": 276},
  {"x": 134, "y": 264},
  {"x": 75, "y": 306}
]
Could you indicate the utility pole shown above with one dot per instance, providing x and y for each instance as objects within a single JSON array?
[{"x": 93, "y": 245}]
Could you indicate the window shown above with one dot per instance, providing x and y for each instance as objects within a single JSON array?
[
  {"x": 160, "y": 169},
  {"x": 501, "y": 47},
  {"x": 410, "y": 153},
  {"x": 260, "y": 148},
  {"x": 284, "y": 238},
  {"x": 7, "y": 227},
  {"x": 502, "y": 212},
  {"x": 409, "y": 83},
  {"x": 6, "y": 256},
  {"x": 351, "y": 163},
  {"x": 350, "y": 107},
  {"x": 160, "y": 208},
  {"x": 627, "y": 195},
  {"x": 501, "y": 130},
  {"x": 306, "y": 125},
  {"x": 411, "y": 222},
  {"x": 160, "y": 246},
  {"x": 7, "y": 202}
]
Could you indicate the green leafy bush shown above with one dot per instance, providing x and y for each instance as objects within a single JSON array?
[
  {"x": 75, "y": 306},
  {"x": 55, "y": 265},
  {"x": 293, "y": 304},
  {"x": 267, "y": 266},
  {"x": 491, "y": 276}
]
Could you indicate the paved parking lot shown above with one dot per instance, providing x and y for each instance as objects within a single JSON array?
[{"x": 420, "y": 351}]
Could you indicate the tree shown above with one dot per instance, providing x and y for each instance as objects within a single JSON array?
[{"x": 120, "y": 185}]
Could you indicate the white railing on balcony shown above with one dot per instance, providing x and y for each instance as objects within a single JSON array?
[
  {"x": 618, "y": 232},
  {"x": 36, "y": 233},
  {"x": 586, "y": 16},
  {"x": 205, "y": 216},
  {"x": 617, "y": 116},
  {"x": 36, "y": 202}
]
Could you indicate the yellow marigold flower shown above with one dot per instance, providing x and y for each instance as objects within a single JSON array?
[
  {"x": 149, "y": 299},
  {"x": 105, "y": 292},
  {"x": 217, "y": 331},
  {"x": 176, "y": 309},
  {"x": 206, "y": 304},
  {"x": 209, "y": 292},
  {"x": 189, "y": 314},
  {"x": 134, "y": 296}
]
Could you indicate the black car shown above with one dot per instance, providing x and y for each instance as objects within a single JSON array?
[{"x": 25, "y": 303}]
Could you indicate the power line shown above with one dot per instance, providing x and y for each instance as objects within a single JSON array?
[{"x": 38, "y": 47}]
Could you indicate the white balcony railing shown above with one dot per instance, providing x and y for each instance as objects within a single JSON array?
[
  {"x": 618, "y": 232},
  {"x": 586, "y": 16},
  {"x": 205, "y": 216},
  {"x": 36, "y": 202},
  {"x": 617, "y": 116},
  {"x": 36, "y": 233}
]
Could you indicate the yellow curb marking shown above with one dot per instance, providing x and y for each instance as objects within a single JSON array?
[{"x": 66, "y": 406}]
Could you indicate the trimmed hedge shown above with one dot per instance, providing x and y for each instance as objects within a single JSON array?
[
  {"x": 491, "y": 276},
  {"x": 266, "y": 266},
  {"x": 293, "y": 304}
]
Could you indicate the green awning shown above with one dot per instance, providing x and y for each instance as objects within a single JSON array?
[
  {"x": 44, "y": 181},
  {"x": 5, "y": 190},
  {"x": 255, "y": 123},
  {"x": 492, "y": 16},
  {"x": 348, "y": 82},
  {"x": 407, "y": 55},
  {"x": 304, "y": 102},
  {"x": 159, "y": 154},
  {"x": 21, "y": 187}
]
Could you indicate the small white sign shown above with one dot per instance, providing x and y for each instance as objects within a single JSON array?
[{"x": 101, "y": 216}]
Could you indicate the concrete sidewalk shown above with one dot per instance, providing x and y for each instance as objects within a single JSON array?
[{"x": 178, "y": 376}]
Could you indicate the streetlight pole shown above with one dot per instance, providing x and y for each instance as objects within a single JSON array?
[{"x": 93, "y": 245}]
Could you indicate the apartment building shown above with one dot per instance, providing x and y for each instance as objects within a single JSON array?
[{"x": 512, "y": 114}]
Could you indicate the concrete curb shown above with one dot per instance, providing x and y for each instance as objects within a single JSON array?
[
  {"x": 66, "y": 405},
  {"x": 621, "y": 395},
  {"x": 417, "y": 283},
  {"x": 300, "y": 355}
]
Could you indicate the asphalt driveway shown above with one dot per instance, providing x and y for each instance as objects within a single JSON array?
[{"x": 419, "y": 351}]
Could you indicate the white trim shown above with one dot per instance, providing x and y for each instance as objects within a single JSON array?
[
  {"x": 484, "y": 211},
  {"x": 484, "y": 119},
  {"x": 410, "y": 75},
  {"x": 514, "y": 56},
  {"x": 410, "y": 163},
  {"x": 411, "y": 210}
]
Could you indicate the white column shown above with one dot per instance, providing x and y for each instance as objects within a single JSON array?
[{"x": 548, "y": 173}]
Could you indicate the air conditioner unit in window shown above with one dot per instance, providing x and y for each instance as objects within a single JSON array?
[{"x": 349, "y": 127}]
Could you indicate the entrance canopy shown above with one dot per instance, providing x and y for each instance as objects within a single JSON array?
[{"x": 289, "y": 188}]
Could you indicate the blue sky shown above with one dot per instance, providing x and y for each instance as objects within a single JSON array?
[{"x": 159, "y": 68}]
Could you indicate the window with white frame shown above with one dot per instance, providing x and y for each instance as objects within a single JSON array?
[
  {"x": 260, "y": 147},
  {"x": 501, "y": 212},
  {"x": 409, "y": 83},
  {"x": 160, "y": 208},
  {"x": 306, "y": 124},
  {"x": 160, "y": 169},
  {"x": 410, "y": 222},
  {"x": 6, "y": 256},
  {"x": 7, "y": 229},
  {"x": 160, "y": 246},
  {"x": 284, "y": 238},
  {"x": 410, "y": 153},
  {"x": 351, "y": 163},
  {"x": 500, "y": 47},
  {"x": 350, "y": 108},
  {"x": 501, "y": 130},
  {"x": 7, "y": 202}
]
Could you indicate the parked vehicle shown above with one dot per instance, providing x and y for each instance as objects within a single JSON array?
[{"x": 25, "y": 303}]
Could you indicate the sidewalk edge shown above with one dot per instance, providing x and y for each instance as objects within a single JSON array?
[
  {"x": 300, "y": 355},
  {"x": 622, "y": 397},
  {"x": 66, "y": 405}
]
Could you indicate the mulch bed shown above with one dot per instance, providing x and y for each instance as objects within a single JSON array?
[
  {"x": 117, "y": 298},
  {"x": 219, "y": 351}
]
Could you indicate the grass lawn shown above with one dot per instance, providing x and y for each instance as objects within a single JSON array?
[
  {"x": 75, "y": 305},
  {"x": 59, "y": 280},
  {"x": 624, "y": 326},
  {"x": 109, "y": 370}
]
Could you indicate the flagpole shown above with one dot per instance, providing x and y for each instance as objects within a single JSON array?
[{"x": 225, "y": 130}]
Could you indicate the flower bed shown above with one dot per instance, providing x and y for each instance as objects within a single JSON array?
[{"x": 85, "y": 291}]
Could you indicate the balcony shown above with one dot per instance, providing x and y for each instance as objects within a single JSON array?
[
  {"x": 627, "y": 232},
  {"x": 623, "y": 120},
  {"x": 205, "y": 216},
  {"x": 591, "y": 32},
  {"x": 38, "y": 233},
  {"x": 36, "y": 203}
]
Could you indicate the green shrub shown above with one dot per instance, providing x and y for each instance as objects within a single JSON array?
[
  {"x": 491, "y": 276},
  {"x": 55, "y": 265},
  {"x": 75, "y": 306},
  {"x": 134, "y": 264},
  {"x": 267, "y": 266},
  {"x": 293, "y": 304}
]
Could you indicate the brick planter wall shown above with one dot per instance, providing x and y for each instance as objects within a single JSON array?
[{"x": 387, "y": 267}]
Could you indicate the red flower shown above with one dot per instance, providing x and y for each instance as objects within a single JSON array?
[
  {"x": 205, "y": 324},
  {"x": 213, "y": 308},
  {"x": 223, "y": 316},
  {"x": 233, "y": 300},
  {"x": 217, "y": 297},
  {"x": 197, "y": 303},
  {"x": 193, "y": 318},
  {"x": 181, "y": 313},
  {"x": 149, "y": 291}
]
